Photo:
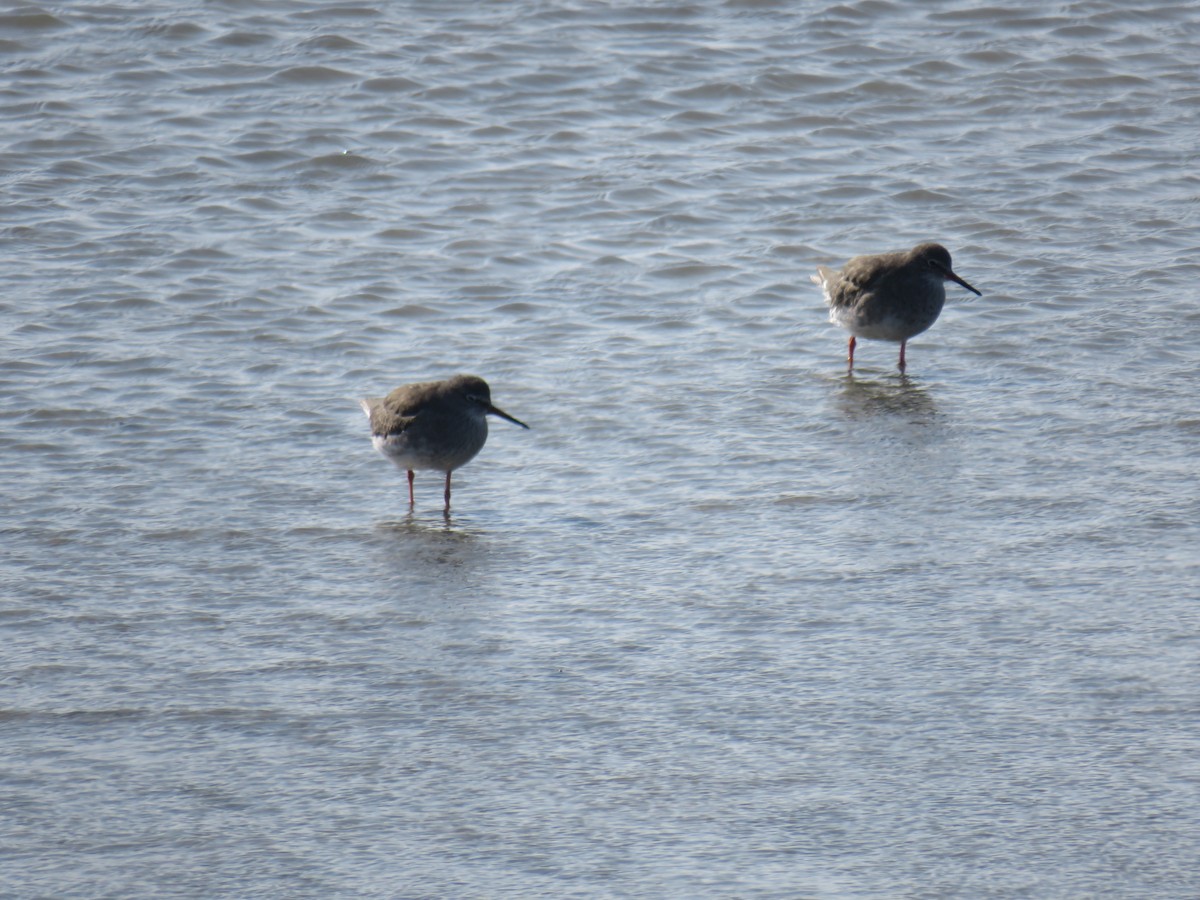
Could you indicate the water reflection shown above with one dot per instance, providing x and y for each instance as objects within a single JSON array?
[
  {"x": 896, "y": 395},
  {"x": 426, "y": 542},
  {"x": 443, "y": 528}
]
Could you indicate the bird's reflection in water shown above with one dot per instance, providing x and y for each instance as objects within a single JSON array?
[
  {"x": 897, "y": 395},
  {"x": 430, "y": 526},
  {"x": 419, "y": 540}
]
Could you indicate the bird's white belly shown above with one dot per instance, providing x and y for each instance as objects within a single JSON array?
[
  {"x": 885, "y": 329},
  {"x": 410, "y": 452},
  {"x": 400, "y": 450}
]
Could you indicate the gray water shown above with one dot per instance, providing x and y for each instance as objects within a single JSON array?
[{"x": 725, "y": 622}]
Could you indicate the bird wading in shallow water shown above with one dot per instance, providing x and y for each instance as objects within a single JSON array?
[
  {"x": 889, "y": 296},
  {"x": 438, "y": 425}
]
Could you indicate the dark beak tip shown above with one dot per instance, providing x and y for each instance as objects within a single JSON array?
[
  {"x": 959, "y": 280},
  {"x": 503, "y": 415}
]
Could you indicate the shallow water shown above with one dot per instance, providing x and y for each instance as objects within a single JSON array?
[{"x": 725, "y": 622}]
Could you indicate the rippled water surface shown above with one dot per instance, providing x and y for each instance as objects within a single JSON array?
[{"x": 725, "y": 622}]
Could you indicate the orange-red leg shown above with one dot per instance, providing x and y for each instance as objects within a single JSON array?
[{"x": 852, "y": 343}]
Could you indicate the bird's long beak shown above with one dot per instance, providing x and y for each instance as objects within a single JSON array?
[
  {"x": 497, "y": 411},
  {"x": 950, "y": 276}
]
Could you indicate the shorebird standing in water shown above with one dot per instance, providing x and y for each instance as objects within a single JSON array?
[
  {"x": 438, "y": 425},
  {"x": 889, "y": 296}
]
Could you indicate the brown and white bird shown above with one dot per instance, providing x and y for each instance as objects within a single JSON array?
[
  {"x": 437, "y": 425},
  {"x": 889, "y": 296}
]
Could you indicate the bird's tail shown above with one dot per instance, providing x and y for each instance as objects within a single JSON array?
[{"x": 825, "y": 277}]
